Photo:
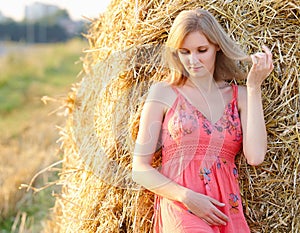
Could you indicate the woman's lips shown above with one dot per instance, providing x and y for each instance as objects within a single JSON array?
[{"x": 197, "y": 68}]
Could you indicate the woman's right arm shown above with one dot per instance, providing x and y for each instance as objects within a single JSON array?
[
  {"x": 146, "y": 144},
  {"x": 144, "y": 174}
]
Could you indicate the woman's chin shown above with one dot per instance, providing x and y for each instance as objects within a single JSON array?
[{"x": 199, "y": 73}]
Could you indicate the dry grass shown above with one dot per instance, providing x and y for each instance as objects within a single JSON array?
[
  {"x": 98, "y": 139},
  {"x": 22, "y": 157},
  {"x": 28, "y": 132}
]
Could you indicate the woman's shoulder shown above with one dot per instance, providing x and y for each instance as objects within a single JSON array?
[
  {"x": 161, "y": 94},
  {"x": 159, "y": 86},
  {"x": 242, "y": 96},
  {"x": 242, "y": 91},
  {"x": 160, "y": 89}
]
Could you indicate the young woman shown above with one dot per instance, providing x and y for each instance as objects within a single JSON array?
[{"x": 201, "y": 122}]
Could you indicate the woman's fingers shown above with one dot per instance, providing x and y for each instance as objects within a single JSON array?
[
  {"x": 269, "y": 61},
  {"x": 221, "y": 215},
  {"x": 215, "y": 219},
  {"x": 254, "y": 60},
  {"x": 260, "y": 59},
  {"x": 219, "y": 219},
  {"x": 210, "y": 221},
  {"x": 216, "y": 202},
  {"x": 218, "y": 215},
  {"x": 216, "y": 211},
  {"x": 262, "y": 66},
  {"x": 269, "y": 56},
  {"x": 205, "y": 208},
  {"x": 268, "y": 53},
  {"x": 263, "y": 59}
]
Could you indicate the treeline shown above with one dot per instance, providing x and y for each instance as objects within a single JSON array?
[
  {"x": 33, "y": 32},
  {"x": 57, "y": 28}
]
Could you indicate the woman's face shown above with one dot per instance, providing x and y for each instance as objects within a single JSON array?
[{"x": 197, "y": 54}]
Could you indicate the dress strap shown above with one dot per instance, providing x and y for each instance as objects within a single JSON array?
[
  {"x": 234, "y": 91},
  {"x": 175, "y": 90}
]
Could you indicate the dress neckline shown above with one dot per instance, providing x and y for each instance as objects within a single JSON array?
[{"x": 179, "y": 94}]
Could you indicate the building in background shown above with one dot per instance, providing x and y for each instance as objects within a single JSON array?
[
  {"x": 42, "y": 23},
  {"x": 37, "y": 11},
  {"x": 47, "y": 16},
  {"x": 3, "y": 18}
]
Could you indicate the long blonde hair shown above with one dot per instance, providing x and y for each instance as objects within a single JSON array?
[{"x": 187, "y": 21}]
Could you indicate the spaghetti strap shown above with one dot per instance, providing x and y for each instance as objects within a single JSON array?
[
  {"x": 175, "y": 90},
  {"x": 234, "y": 91}
]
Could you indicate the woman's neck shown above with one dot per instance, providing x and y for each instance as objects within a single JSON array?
[{"x": 207, "y": 84}]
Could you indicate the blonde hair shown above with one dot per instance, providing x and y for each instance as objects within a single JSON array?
[{"x": 226, "y": 67}]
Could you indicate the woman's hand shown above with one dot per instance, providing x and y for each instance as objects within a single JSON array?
[
  {"x": 261, "y": 68},
  {"x": 205, "y": 207}
]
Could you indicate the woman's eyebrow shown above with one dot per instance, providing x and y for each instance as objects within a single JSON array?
[{"x": 201, "y": 46}]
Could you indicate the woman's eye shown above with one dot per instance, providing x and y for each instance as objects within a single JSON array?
[
  {"x": 183, "y": 51},
  {"x": 202, "y": 50}
]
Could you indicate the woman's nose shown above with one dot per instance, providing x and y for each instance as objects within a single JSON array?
[{"x": 193, "y": 59}]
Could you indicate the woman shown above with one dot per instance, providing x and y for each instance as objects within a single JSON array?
[{"x": 201, "y": 122}]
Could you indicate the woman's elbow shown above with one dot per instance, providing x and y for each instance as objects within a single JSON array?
[
  {"x": 135, "y": 176},
  {"x": 137, "y": 173},
  {"x": 255, "y": 156},
  {"x": 134, "y": 172},
  {"x": 256, "y": 160}
]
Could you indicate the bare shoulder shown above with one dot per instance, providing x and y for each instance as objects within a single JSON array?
[
  {"x": 242, "y": 97},
  {"x": 242, "y": 90},
  {"x": 159, "y": 87},
  {"x": 161, "y": 91}
]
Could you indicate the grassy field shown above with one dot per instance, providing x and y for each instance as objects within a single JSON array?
[{"x": 28, "y": 132}]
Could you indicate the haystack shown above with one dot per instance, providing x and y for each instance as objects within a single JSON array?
[{"x": 122, "y": 61}]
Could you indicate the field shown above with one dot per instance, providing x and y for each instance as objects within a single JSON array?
[{"x": 30, "y": 156}]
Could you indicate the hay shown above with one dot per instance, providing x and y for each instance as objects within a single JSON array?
[{"x": 123, "y": 60}]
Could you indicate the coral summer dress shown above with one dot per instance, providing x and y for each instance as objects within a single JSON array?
[{"x": 199, "y": 155}]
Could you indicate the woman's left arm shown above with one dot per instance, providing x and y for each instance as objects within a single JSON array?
[{"x": 251, "y": 108}]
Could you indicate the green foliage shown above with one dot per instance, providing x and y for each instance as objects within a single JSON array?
[
  {"x": 28, "y": 73},
  {"x": 36, "y": 71},
  {"x": 35, "y": 206},
  {"x": 56, "y": 27},
  {"x": 39, "y": 32},
  {"x": 55, "y": 18}
]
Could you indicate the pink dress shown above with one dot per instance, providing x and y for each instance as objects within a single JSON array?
[{"x": 199, "y": 155}]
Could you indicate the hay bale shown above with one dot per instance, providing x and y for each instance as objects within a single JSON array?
[{"x": 123, "y": 60}]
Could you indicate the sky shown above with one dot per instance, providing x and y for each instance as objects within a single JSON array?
[{"x": 76, "y": 8}]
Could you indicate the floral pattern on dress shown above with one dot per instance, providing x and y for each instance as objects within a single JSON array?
[
  {"x": 183, "y": 123},
  {"x": 220, "y": 161},
  {"x": 234, "y": 203},
  {"x": 226, "y": 122},
  {"x": 230, "y": 122},
  {"x": 235, "y": 173},
  {"x": 205, "y": 176}
]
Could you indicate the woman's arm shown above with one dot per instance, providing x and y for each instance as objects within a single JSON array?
[
  {"x": 250, "y": 101},
  {"x": 144, "y": 174},
  {"x": 146, "y": 144}
]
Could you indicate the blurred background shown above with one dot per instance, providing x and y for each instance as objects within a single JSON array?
[{"x": 41, "y": 45}]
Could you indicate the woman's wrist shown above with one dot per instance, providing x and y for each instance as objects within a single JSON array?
[
  {"x": 252, "y": 89},
  {"x": 183, "y": 195},
  {"x": 187, "y": 199}
]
